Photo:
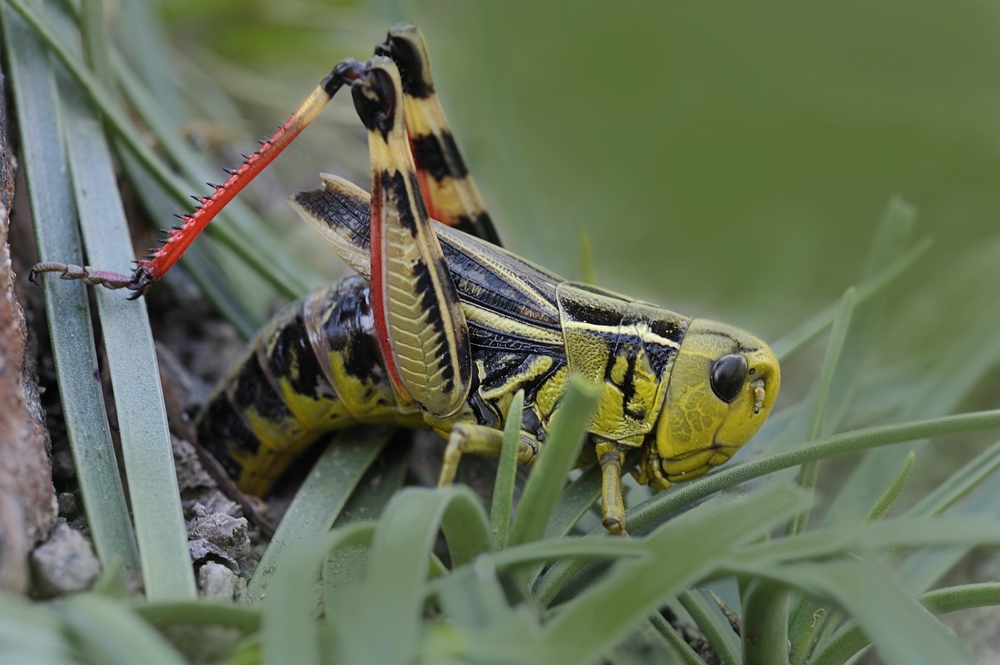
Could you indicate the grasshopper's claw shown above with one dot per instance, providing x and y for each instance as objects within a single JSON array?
[
  {"x": 86, "y": 274},
  {"x": 138, "y": 282}
]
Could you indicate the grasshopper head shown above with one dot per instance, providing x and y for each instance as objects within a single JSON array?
[{"x": 722, "y": 386}]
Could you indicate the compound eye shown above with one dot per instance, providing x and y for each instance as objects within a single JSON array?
[{"x": 729, "y": 373}]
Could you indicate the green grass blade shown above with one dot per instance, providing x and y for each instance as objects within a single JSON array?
[
  {"x": 503, "y": 486},
  {"x": 379, "y": 484},
  {"x": 474, "y": 598},
  {"x": 683, "y": 650},
  {"x": 128, "y": 341},
  {"x": 682, "y": 495},
  {"x": 376, "y": 488},
  {"x": 679, "y": 553},
  {"x": 600, "y": 614},
  {"x": 838, "y": 444},
  {"x": 108, "y": 633},
  {"x": 765, "y": 625},
  {"x": 321, "y": 498},
  {"x": 971, "y": 490},
  {"x": 290, "y": 632},
  {"x": 644, "y": 645},
  {"x": 892, "y": 492},
  {"x": 941, "y": 391},
  {"x": 959, "y": 483},
  {"x": 29, "y": 634},
  {"x": 889, "y": 245},
  {"x": 800, "y": 337},
  {"x": 395, "y": 586},
  {"x": 841, "y": 326},
  {"x": 720, "y": 636},
  {"x": 852, "y": 639},
  {"x": 575, "y": 501},
  {"x": 810, "y": 618},
  {"x": 809, "y": 472},
  {"x": 587, "y": 548},
  {"x": 632, "y": 589},
  {"x": 95, "y": 41},
  {"x": 890, "y": 534},
  {"x": 144, "y": 44},
  {"x": 200, "y": 612},
  {"x": 548, "y": 475},
  {"x": 66, "y": 303},
  {"x": 247, "y": 652},
  {"x": 903, "y": 631}
]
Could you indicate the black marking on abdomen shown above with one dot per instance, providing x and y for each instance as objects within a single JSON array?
[
  {"x": 251, "y": 389},
  {"x": 290, "y": 355},
  {"x": 350, "y": 331},
  {"x": 221, "y": 427}
]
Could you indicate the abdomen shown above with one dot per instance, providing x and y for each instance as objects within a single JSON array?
[{"x": 314, "y": 368}]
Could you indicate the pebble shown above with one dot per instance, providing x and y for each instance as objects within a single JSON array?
[
  {"x": 228, "y": 533},
  {"x": 67, "y": 504},
  {"x": 216, "y": 582},
  {"x": 65, "y": 563}
]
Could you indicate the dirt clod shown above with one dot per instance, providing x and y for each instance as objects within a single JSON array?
[
  {"x": 65, "y": 563},
  {"x": 216, "y": 582}
]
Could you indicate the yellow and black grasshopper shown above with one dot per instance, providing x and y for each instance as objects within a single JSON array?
[{"x": 442, "y": 327}]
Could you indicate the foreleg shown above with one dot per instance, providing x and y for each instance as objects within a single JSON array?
[{"x": 611, "y": 457}]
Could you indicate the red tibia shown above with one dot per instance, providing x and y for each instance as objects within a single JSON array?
[
  {"x": 432, "y": 210},
  {"x": 161, "y": 259}
]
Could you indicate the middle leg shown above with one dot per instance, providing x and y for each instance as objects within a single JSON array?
[{"x": 481, "y": 440}]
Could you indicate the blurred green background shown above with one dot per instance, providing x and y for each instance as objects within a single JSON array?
[{"x": 726, "y": 158}]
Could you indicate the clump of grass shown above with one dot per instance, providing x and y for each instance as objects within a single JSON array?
[{"x": 526, "y": 584}]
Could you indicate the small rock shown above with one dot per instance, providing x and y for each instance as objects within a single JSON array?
[
  {"x": 216, "y": 581},
  {"x": 191, "y": 475},
  {"x": 65, "y": 563},
  {"x": 226, "y": 532},
  {"x": 202, "y": 551},
  {"x": 241, "y": 594},
  {"x": 217, "y": 502},
  {"x": 67, "y": 504}
]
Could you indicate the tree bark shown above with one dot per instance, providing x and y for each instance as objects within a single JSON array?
[{"x": 27, "y": 498}]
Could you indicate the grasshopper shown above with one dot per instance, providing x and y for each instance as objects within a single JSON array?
[{"x": 441, "y": 326}]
